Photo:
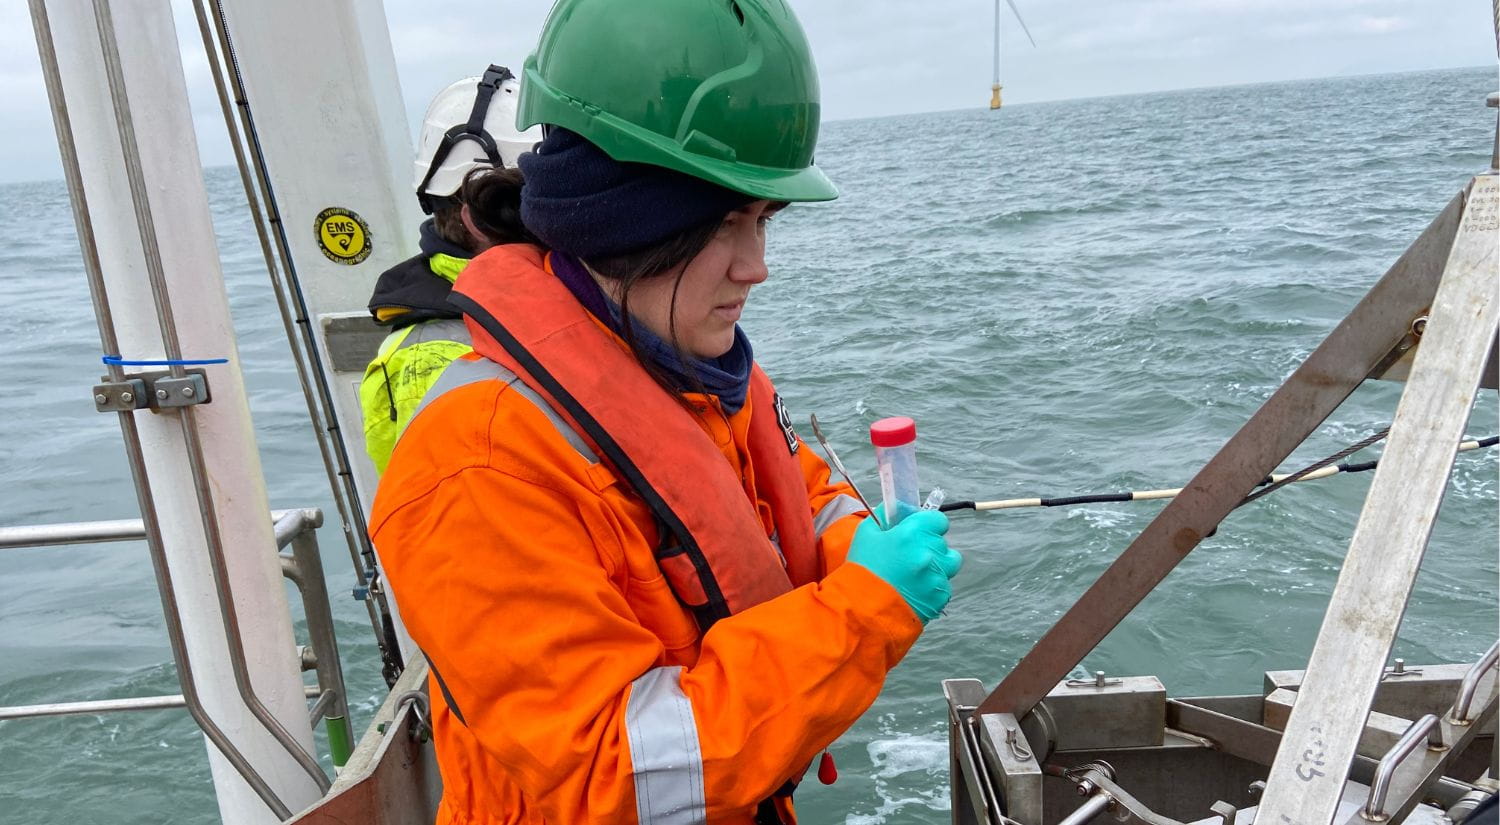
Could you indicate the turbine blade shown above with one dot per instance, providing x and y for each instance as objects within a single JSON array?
[{"x": 1017, "y": 12}]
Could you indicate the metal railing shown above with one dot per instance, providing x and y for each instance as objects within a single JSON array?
[{"x": 301, "y": 564}]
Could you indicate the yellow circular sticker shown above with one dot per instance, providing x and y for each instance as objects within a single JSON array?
[{"x": 343, "y": 235}]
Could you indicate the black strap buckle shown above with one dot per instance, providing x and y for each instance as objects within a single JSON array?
[{"x": 472, "y": 130}]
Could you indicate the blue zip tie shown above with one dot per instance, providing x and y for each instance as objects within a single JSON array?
[{"x": 117, "y": 361}]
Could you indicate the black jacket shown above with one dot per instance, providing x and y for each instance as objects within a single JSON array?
[{"x": 413, "y": 286}]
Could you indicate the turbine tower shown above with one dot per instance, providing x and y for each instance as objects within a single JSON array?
[{"x": 995, "y": 102}]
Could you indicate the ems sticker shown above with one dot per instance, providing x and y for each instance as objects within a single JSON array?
[
  {"x": 343, "y": 236},
  {"x": 785, "y": 420}
]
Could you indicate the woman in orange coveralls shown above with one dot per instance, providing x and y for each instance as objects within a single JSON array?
[{"x": 643, "y": 599}]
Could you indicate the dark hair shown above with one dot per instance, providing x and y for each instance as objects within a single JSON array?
[
  {"x": 659, "y": 260},
  {"x": 494, "y": 199},
  {"x": 449, "y": 222}
]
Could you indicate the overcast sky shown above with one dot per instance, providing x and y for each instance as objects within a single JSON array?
[{"x": 881, "y": 57}]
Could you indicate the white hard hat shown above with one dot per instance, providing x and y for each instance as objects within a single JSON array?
[{"x": 469, "y": 125}]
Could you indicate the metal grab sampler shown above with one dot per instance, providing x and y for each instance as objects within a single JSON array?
[{"x": 1441, "y": 294}]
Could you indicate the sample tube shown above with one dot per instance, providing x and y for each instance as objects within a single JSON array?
[{"x": 895, "y": 441}]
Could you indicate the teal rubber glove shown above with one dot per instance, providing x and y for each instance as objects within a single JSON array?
[{"x": 912, "y": 557}]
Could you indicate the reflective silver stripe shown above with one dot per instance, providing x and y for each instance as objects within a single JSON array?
[
  {"x": 465, "y": 371},
  {"x": 440, "y": 329},
  {"x": 664, "y": 752},
  {"x": 843, "y": 505}
]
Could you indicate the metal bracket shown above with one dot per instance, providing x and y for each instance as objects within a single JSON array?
[
  {"x": 156, "y": 390},
  {"x": 121, "y": 396},
  {"x": 187, "y": 391}
]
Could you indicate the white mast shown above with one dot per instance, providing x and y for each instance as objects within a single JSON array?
[
  {"x": 124, "y": 108},
  {"x": 336, "y": 155}
]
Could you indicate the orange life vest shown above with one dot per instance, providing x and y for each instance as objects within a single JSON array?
[{"x": 715, "y": 552}]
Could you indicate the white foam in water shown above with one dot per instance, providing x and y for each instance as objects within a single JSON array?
[{"x": 895, "y": 759}]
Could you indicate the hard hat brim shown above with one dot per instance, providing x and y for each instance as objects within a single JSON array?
[{"x": 628, "y": 143}]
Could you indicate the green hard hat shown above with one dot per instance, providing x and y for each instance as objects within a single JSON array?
[{"x": 723, "y": 90}]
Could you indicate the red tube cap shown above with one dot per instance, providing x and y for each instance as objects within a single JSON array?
[{"x": 893, "y": 432}]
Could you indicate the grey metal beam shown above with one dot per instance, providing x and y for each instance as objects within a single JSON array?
[
  {"x": 1314, "y": 391},
  {"x": 1348, "y": 659}
]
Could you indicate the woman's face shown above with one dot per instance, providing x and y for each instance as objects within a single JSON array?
[{"x": 711, "y": 293}]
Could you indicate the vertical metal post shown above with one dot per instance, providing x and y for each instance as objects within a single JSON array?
[
  {"x": 324, "y": 642},
  {"x": 154, "y": 237},
  {"x": 311, "y": 376},
  {"x": 343, "y": 51}
]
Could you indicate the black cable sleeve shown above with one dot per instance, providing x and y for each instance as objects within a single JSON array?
[
  {"x": 1102, "y": 498},
  {"x": 957, "y": 505}
]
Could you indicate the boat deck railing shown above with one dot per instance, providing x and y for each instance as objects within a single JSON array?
[{"x": 301, "y": 564}]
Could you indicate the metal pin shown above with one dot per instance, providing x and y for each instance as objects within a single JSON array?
[{"x": 833, "y": 458}]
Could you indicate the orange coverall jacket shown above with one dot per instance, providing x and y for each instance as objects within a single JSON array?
[{"x": 527, "y": 575}]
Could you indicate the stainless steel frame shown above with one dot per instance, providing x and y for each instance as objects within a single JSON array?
[
  {"x": 135, "y": 457},
  {"x": 302, "y": 566}
]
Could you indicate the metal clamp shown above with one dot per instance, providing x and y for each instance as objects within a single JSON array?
[
  {"x": 120, "y": 396},
  {"x": 1427, "y": 727},
  {"x": 1459, "y": 715},
  {"x": 186, "y": 391},
  {"x": 156, "y": 390},
  {"x": 1098, "y": 681}
]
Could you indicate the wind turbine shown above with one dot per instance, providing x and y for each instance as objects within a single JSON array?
[{"x": 995, "y": 88}]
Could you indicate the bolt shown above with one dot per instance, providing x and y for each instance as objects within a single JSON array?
[
  {"x": 1400, "y": 666},
  {"x": 187, "y": 392},
  {"x": 101, "y": 398},
  {"x": 161, "y": 394},
  {"x": 127, "y": 397},
  {"x": 1099, "y": 678}
]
